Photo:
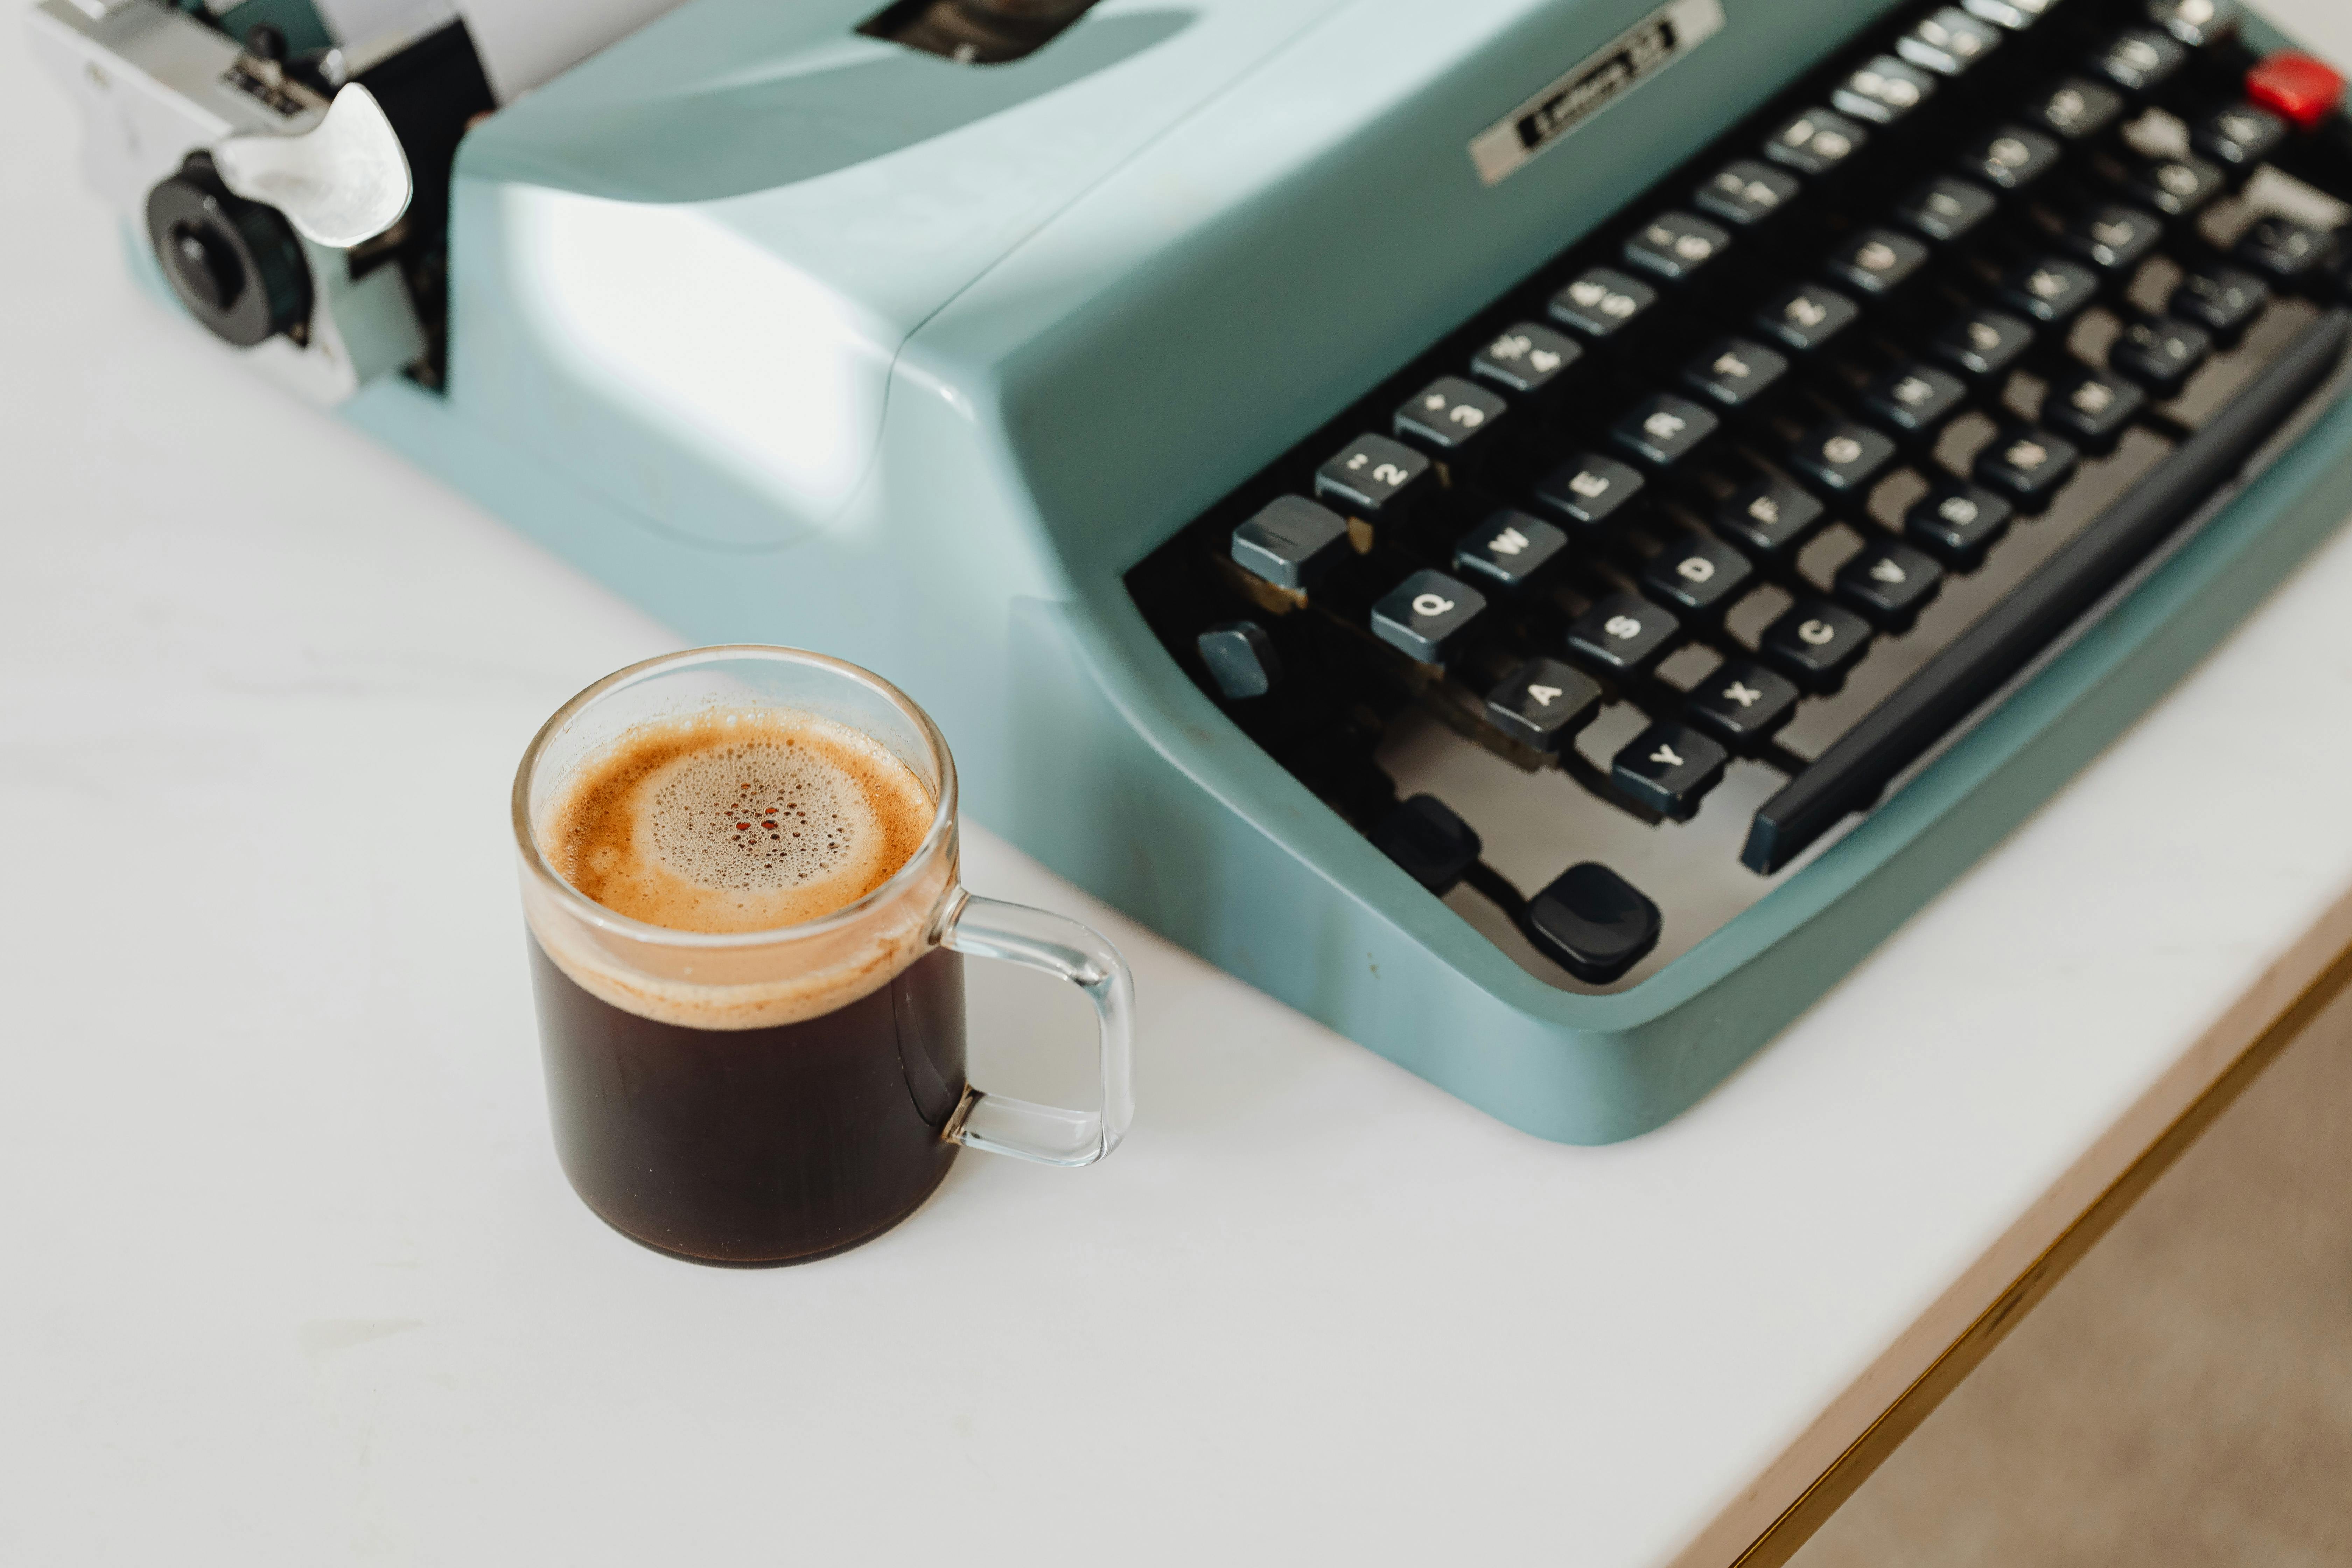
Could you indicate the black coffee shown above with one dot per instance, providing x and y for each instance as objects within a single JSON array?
[
  {"x": 747, "y": 1110},
  {"x": 756, "y": 1146}
]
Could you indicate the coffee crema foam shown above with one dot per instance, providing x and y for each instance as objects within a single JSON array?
[{"x": 742, "y": 821}]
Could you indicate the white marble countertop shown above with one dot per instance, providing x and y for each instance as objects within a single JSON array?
[{"x": 292, "y": 1275}]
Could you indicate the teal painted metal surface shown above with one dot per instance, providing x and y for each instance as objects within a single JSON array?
[{"x": 917, "y": 383}]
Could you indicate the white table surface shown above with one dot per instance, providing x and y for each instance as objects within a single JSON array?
[{"x": 292, "y": 1275}]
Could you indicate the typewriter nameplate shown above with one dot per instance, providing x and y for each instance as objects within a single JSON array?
[{"x": 1641, "y": 52}]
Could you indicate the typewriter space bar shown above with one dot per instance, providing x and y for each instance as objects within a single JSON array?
[{"x": 1848, "y": 777}]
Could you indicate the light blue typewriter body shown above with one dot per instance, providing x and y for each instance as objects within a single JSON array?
[{"x": 793, "y": 335}]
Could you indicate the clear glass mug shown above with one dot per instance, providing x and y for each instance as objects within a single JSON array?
[{"x": 774, "y": 1096}]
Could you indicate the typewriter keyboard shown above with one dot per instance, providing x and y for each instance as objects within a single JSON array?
[{"x": 1620, "y": 602}]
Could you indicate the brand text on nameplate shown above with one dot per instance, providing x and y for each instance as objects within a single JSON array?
[{"x": 1642, "y": 50}]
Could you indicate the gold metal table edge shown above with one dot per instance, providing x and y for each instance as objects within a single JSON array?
[{"x": 1814, "y": 1507}]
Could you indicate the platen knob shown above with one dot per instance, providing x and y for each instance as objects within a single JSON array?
[{"x": 235, "y": 264}]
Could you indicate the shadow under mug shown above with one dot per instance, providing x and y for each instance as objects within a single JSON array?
[{"x": 775, "y": 1096}]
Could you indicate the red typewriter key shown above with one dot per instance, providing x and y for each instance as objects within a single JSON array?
[{"x": 2295, "y": 86}]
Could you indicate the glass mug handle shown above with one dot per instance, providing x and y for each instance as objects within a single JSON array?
[{"x": 989, "y": 928}]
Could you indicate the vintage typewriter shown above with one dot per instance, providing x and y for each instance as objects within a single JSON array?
[{"x": 1535, "y": 531}]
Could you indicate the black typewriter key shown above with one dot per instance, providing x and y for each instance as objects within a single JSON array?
[
  {"x": 1592, "y": 922},
  {"x": 1733, "y": 374},
  {"x": 1742, "y": 703},
  {"x": 2159, "y": 353},
  {"x": 2048, "y": 290},
  {"x": 1815, "y": 143},
  {"x": 2076, "y": 110},
  {"x": 1542, "y": 703},
  {"x": 1815, "y": 643},
  {"x": 1424, "y": 616},
  {"x": 1291, "y": 543},
  {"x": 2286, "y": 253},
  {"x": 1526, "y": 361},
  {"x": 2011, "y": 159},
  {"x": 1745, "y": 192},
  {"x": 2092, "y": 409},
  {"x": 1241, "y": 659},
  {"x": 2016, "y": 15},
  {"x": 1889, "y": 584},
  {"x": 2196, "y": 23},
  {"x": 2139, "y": 60},
  {"x": 1876, "y": 262},
  {"x": 1588, "y": 490},
  {"x": 1436, "y": 847},
  {"x": 1663, "y": 431},
  {"x": 1806, "y": 316},
  {"x": 1946, "y": 208},
  {"x": 1956, "y": 524},
  {"x": 1771, "y": 517},
  {"x": 2176, "y": 187},
  {"x": 1982, "y": 343},
  {"x": 2116, "y": 239},
  {"x": 1697, "y": 576},
  {"x": 1675, "y": 246},
  {"x": 1883, "y": 91},
  {"x": 1448, "y": 417},
  {"x": 1603, "y": 302},
  {"x": 2028, "y": 466},
  {"x": 2238, "y": 139},
  {"x": 1913, "y": 401},
  {"x": 2224, "y": 301},
  {"x": 1668, "y": 768},
  {"x": 1374, "y": 479},
  {"x": 1841, "y": 456},
  {"x": 1623, "y": 635},
  {"x": 1948, "y": 42},
  {"x": 1510, "y": 550}
]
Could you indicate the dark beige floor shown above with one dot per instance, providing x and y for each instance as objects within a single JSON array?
[{"x": 2184, "y": 1397}]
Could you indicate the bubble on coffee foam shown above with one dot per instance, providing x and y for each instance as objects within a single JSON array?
[
  {"x": 737, "y": 822},
  {"x": 763, "y": 815}
]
